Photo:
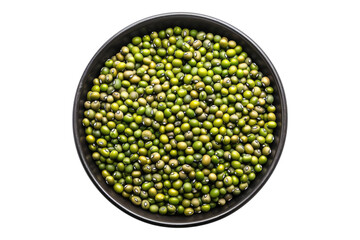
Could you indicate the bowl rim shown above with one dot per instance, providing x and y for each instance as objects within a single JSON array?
[{"x": 257, "y": 188}]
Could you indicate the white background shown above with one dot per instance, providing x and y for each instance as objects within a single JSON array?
[{"x": 312, "y": 194}]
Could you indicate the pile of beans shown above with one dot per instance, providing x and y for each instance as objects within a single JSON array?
[{"x": 180, "y": 121}]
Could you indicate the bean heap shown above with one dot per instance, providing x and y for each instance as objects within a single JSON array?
[{"x": 180, "y": 121}]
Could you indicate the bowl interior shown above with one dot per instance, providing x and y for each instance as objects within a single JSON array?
[{"x": 156, "y": 23}]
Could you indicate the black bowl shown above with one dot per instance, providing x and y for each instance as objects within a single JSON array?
[{"x": 156, "y": 23}]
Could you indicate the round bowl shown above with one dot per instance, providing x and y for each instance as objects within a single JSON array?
[{"x": 156, "y": 23}]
